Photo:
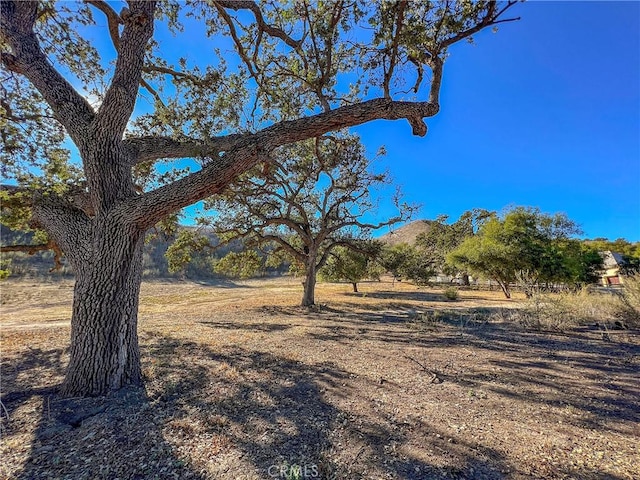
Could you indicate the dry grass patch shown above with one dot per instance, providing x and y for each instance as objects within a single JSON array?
[{"x": 610, "y": 310}]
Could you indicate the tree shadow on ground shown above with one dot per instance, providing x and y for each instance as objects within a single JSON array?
[
  {"x": 117, "y": 436},
  {"x": 253, "y": 326},
  {"x": 270, "y": 414},
  {"x": 563, "y": 363},
  {"x": 519, "y": 361},
  {"x": 400, "y": 296},
  {"x": 402, "y": 326},
  {"x": 219, "y": 415},
  {"x": 218, "y": 282}
]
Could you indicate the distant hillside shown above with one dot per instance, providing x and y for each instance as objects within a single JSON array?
[
  {"x": 155, "y": 263},
  {"x": 407, "y": 233},
  {"x": 22, "y": 264}
]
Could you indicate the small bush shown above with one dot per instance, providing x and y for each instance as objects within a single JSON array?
[
  {"x": 5, "y": 268},
  {"x": 428, "y": 320},
  {"x": 549, "y": 312},
  {"x": 451, "y": 293}
]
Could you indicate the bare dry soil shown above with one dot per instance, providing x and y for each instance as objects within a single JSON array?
[{"x": 241, "y": 383}]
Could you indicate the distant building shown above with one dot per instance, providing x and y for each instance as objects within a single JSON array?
[{"x": 612, "y": 264}]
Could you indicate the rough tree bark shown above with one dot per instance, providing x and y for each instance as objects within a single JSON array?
[
  {"x": 105, "y": 252},
  {"x": 309, "y": 284},
  {"x": 104, "y": 342}
]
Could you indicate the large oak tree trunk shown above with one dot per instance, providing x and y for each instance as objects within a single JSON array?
[
  {"x": 308, "y": 297},
  {"x": 104, "y": 341}
]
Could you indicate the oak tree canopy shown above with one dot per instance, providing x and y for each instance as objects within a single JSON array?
[{"x": 315, "y": 196}]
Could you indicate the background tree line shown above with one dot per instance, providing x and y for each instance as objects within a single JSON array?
[{"x": 522, "y": 247}]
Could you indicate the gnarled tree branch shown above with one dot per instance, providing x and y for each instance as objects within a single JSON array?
[
  {"x": 151, "y": 148},
  {"x": 61, "y": 216},
  {"x": 246, "y": 151},
  {"x": 262, "y": 24},
  {"x": 68, "y": 227},
  {"x": 490, "y": 18},
  {"x": 41, "y": 247},
  {"x": 120, "y": 98},
  {"x": 113, "y": 20},
  {"x": 17, "y": 20}
]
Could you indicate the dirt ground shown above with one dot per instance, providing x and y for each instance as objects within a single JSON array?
[{"x": 241, "y": 383}]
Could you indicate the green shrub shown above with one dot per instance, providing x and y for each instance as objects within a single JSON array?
[
  {"x": 5, "y": 270},
  {"x": 451, "y": 293},
  {"x": 549, "y": 312}
]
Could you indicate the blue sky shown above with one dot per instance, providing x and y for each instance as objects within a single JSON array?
[{"x": 544, "y": 113}]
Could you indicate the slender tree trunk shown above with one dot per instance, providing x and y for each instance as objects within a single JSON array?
[
  {"x": 308, "y": 297},
  {"x": 104, "y": 341},
  {"x": 465, "y": 279},
  {"x": 355, "y": 287},
  {"x": 505, "y": 288}
]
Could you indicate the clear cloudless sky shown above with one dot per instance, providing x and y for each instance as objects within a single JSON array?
[{"x": 544, "y": 113}]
